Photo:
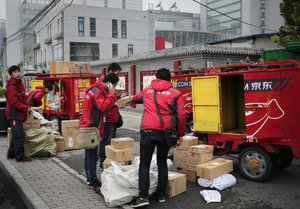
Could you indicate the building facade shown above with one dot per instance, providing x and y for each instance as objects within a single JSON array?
[
  {"x": 85, "y": 32},
  {"x": 247, "y": 17},
  {"x": 181, "y": 28},
  {"x": 18, "y": 14},
  {"x": 2, "y": 35}
]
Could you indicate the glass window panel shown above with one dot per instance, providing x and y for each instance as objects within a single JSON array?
[
  {"x": 93, "y": 27},
  {"x": 81, "y": 26},
  {"x": 130, "y": 49},
  {"x": 115, "y": 28},
  {"x": 115, "y": 50},
  {"x": 124, "y": 29}
]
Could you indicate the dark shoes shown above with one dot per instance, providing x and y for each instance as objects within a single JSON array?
[
  {"x": 95, "y": 189},
  {"x": 140, "y": 202},
  {"x": 161, "y": 199},
  {"x": 24, "y": 159},
  {"x": 10, "y": 157}
]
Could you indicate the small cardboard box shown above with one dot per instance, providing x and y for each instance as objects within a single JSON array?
[
  {"x": 107, "y": 163},
  {"x": 31, "y": 124},
  {"x": 124, "y": 101},
  {"x": 180, "y": 158},
  {"x": 188, "y": 141},
  {"x": 37, "y": 109},
  {"x": 201, "y": 148},
  {"x": 122, "y": 143},
  {"x": 190, "y": 175},
  {"x": 214, "y": 168},
  {"x": 176, "y": 184},
  {"x": 69, "y": 130},
  {"x": 9, "y": 135},
  {"x": 119, "y": 155},
  {"x": 60, "y": 145},
  {"x": 196, "y": 159}
]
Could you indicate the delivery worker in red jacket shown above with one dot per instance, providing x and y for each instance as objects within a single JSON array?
[
  {"x": 16, "y": 113},
  {"x": 170, "y": 104},
  {"x": 34, "y": 98},
  {"x": 111, "y": 118},
  {"x": 100, "y": 97}
]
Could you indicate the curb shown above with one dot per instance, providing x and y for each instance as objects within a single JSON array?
[{"x": 30, "y": 198}]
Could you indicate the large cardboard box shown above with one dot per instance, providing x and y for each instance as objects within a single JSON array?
[
  {"x": 195, "y": 159},
  {"x": 124, "y": 101},
  {"x": 214, "y": 168},
  {"x": 60, "y": 145},
  {"x": 122, "y": 143},
  {"x": 107, "y": 163},
  {"x": 187, "y": 141},
  {"x": 176, "y": 184},
  {"x": 31, "y": 124},
  {"x": 180, "y": 158},
  {"x": 119, "y": 155},
  {"x": 201, "y": 148},
  {"x": 69, "y": 130},
  {"x": 190, "y": 175}
]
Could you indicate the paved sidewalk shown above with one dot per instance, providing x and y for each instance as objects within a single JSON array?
[{"x": 48, "y": 183}]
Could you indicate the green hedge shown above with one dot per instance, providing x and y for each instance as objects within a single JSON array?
[{"x": 1, "y": 92}]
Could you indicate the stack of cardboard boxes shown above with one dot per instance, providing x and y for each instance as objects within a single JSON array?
[
  {"x": 120, "y": 150},
  {"x": 59, "y": 67}
]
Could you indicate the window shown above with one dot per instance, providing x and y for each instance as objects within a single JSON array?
[
  {"x": 84, "y": 52},
  {"x": 115, "y": 50},
  {"x": 130, "y": 49},
  {"x": 80, "y": 26},
  {"x": 58, "y": 25},
  {"x": 123, "y": 28},
  {"x": 57, "y": 52},
  {"x": 123, "y": 4},
  {"x": 93, "y": 27},
  {"x": 105, "y": 3},
  {"x": 115, "y": 28},
  {"x": 49, "y": 28},
  {"x": 37, "y": 40}
]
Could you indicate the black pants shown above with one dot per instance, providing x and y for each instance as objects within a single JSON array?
[
  {"x": 149, "y": 140},
  {"x": 16, "y": 147}
]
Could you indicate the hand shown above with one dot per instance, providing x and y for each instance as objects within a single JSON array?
[
  {"x": 112, "y": 90},
  {"x": 124, "y": 94},
  {"x": 179, "y": 141},
  {"x": 29, "y": 110}
]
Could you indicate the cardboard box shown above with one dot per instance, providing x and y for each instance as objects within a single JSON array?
[
  {"x": 196, "y": 159},
  {"x": 190, "y": 175},
  {"x": 124, "y": 101},
  {"x": 188, "y": 141},
  {"x": 176, "y": 184},
  {"x": 214, "y": 168},
  {"x": 107, "y": 163},
  {"x": 9, "y": 135},
  {"x": 69, "y": 130},
  {"x": 119, "y": 155},
  {"x": 122, "y": 143},
  {"x": 37, "y": 109},
  {"x": 202, "y": 148},
  {"x": 180, "y": 158},
  {"x": 60, "y": 145},
  {"x": 31, "y": 124}
]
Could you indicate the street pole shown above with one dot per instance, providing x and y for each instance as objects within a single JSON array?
[{"x": 4, "y": 63}]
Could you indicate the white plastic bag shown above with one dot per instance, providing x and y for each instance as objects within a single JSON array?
[
  {"x": 120, "y": 184},
  {"x": 211, "y": 196},
  {"x": 223, "y": 182}
]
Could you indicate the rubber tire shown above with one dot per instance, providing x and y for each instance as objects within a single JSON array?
[
  {"x": 283, "y": 159},
  {"x": 57, "y": 122},
  {"x": 265, "y": 163}
]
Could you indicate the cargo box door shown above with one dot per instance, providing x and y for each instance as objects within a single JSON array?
[
  {"x": 35, "y": 83},
  {"x": 206, "y": 104}
]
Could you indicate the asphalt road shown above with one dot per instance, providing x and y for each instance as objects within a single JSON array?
[{"x": 281, "y": 191}]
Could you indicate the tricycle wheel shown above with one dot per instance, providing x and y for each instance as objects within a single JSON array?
[
  {"x": 283, "y": 158},
  {"x": 255, "y": 164},
  {"x": 56, "y": 122}
]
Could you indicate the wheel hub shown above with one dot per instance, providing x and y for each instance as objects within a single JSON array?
[{"x": 253, "y": 163}]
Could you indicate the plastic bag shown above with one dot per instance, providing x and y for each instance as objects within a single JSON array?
[{"x": 211, "y": 196}]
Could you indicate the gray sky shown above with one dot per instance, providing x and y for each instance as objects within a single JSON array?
[{"x": 182, "y": 5}]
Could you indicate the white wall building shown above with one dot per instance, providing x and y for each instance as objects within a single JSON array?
[
  {"x": 93, "y": 30},
  {"x": 265, "y": 14}
]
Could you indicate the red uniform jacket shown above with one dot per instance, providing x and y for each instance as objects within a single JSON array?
[
  {"x": 97, "y": 101},
  {"x": 34, "y": 98},
  {"x": 16, "y": 105},
  {"x": 112, "y": 115},
  {"x": 169, "y": 102}
]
